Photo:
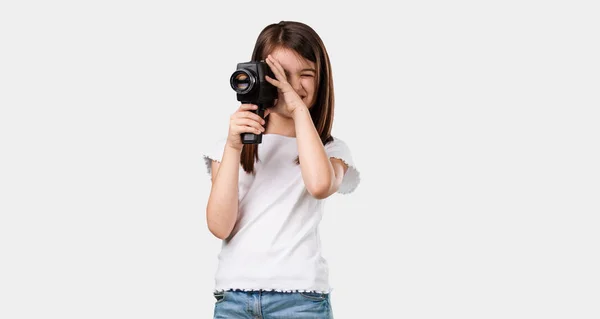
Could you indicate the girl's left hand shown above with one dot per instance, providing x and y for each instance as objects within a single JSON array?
[{"x": 291, "y": 99}]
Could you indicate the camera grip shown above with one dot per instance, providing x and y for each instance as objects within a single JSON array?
[{"x": 251, "y": 138}]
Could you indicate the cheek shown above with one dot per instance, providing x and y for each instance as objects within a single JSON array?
[{"x": 309, "y": 85}]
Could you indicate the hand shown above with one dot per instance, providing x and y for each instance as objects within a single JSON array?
[
  {"x": 291, "y": 99},
  {"x": 244, "y": 121}
]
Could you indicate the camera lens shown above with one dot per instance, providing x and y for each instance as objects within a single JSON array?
[{"x": 242, "y": 81}]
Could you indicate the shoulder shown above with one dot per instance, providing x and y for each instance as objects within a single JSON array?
[
  {"x": 213, "y": 153},
  {"x": 338, "y": 147},
  {"x": 215, "y": 145},
  {"x": 334, "y": 140}
]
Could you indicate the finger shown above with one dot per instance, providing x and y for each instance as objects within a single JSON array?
[
  {"x": 279, "y": 73},
  {"x": 247, "y": 107},
  {"x": 283, "y": 86},
  {"x": 277, "y": 65},
  {"x": 247, "y": 129},
  {"x": 276, "y": 71},
  {"x": 272, "y": 81},
  {"x": 251, "y": 129},
  {"x": 252, "y": 116},
  {"x": 248, "y": 122}
]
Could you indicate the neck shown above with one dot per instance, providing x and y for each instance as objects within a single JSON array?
[{"x": 280, "y": 125}]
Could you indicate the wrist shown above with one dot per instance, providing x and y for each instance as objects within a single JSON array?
[
  {"x": 233, "y": 149},
  {"x": 300, "y": 111}
]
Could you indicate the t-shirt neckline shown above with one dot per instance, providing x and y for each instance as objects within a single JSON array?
[{"x": 279, "y": 135}]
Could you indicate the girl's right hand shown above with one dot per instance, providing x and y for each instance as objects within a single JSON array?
[{"x": 244, "y": 121}]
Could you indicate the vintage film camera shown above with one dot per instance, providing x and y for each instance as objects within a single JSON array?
[{"x": 248, "y": 81}]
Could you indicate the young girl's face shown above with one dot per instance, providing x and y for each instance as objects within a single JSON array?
[{"x": 300, "y": 72}]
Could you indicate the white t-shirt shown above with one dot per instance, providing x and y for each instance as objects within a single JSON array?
[{"x": 275, "y": 243}]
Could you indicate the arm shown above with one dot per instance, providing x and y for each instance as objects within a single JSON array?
[
  {"x": 222, "y": 207},
  {"x": 322, "y": 175}
]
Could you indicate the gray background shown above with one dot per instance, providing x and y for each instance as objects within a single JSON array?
[{"x": 474, "y": 126}]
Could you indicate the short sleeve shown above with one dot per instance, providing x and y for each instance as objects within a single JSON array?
[
  {"x": 214, "y": 153},
  {"x": 340, "y": 150}
]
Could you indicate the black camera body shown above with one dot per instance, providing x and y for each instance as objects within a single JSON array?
[{"x": 251, "y": 87}]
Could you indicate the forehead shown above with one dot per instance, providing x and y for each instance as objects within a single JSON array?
[{"x": 292, "y": 61}]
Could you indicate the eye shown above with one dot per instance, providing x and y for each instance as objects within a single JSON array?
[{"x": 307, "y": 75}]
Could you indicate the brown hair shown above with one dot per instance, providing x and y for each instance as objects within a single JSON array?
[{"x": 302, "y": 39}]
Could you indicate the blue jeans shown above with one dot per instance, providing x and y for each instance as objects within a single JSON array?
[{"x": 272, "y": 305}]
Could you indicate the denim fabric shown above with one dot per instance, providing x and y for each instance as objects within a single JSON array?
[{"x": 272, "y": 305}]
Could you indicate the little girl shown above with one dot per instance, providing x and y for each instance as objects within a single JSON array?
[{"x": 266, "y": 200}]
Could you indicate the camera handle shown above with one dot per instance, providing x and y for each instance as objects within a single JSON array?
[{"x": 251, "y": 138}]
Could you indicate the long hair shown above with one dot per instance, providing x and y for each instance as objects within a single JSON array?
[{"x": 302, "y": 39}]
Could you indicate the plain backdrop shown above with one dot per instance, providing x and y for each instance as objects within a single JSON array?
[{"x": 474, "y": 124}]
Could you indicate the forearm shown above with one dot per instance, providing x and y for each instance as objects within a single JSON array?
[
  {"x": 316, "y": 168},
  {"x": 222, "y": 207}
]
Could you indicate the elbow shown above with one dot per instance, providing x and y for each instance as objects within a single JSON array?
[
  {"x": 217, "y": 231},
  {"x": 215, "y": 227},
  {"x": 320, "y": 190}
]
